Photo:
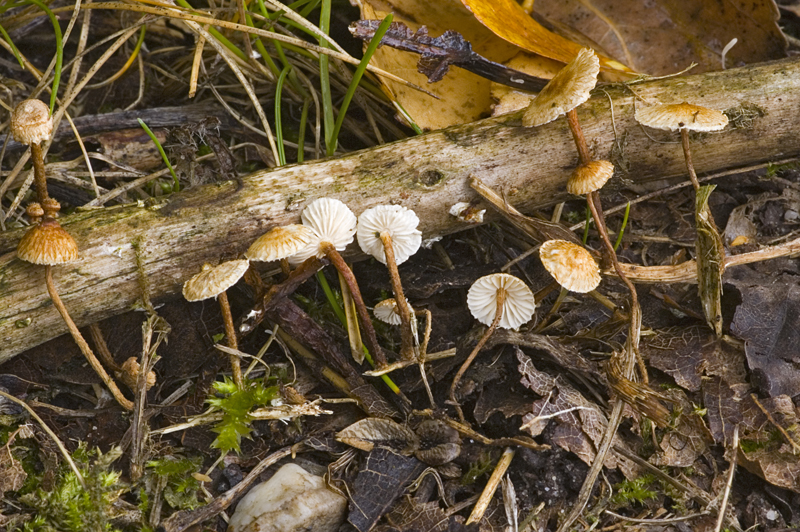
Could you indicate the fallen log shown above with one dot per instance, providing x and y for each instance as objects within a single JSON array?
[{"x": 427, "y": 173}]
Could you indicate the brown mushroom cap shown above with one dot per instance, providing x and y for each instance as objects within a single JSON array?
[
  {"x": 213, "y": 280},
  {"x": 31, "y": 122},
  {"x": 571, "y": 265},
  {"x": 566, "y": 91},
  {"x": 684, "y": 115},
  {"x": 280, "y": 243},
  {"x": 589, "y": 177},
  {"x": 47, "y": 243}
]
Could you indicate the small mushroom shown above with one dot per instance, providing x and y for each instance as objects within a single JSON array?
[
  {"x": 496, "y": 300},
  {"x": 571, "y": 265},
  {"x": 280, "y": 243},
  {"x": 129, "y": 373},
  {"x": 32, "y": 124},
  {"x": 684, "y": 117},
  {"x": 587, "y": 179},
  {"x": 334, "y": 226},
  {"x": 389, "y": 233},
  {"x": 213, "y": 281},
  {"x": 563, "y": 94},
  {"x": 710, "y": 249},
  {"x": 49, "y": 244},
  {"x": 387, "y": 312}
]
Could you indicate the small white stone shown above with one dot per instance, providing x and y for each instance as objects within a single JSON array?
[{"x": 293, "y": 500}]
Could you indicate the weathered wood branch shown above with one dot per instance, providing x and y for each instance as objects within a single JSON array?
[{"x": 427, "y": 173}]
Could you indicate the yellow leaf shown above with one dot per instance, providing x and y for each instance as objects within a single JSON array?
[{"x": 507, "y": 19}]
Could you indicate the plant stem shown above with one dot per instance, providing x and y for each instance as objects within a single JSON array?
[
  {"x": 39, "y": 175},
  {"x": 230, "y": 332},
  {"x": 78, "y": 337},
  {"x": 688, "y": 155},
  {"x": 601, "y": 228},
  {"x": 407, "y": 350},
  {"x": 372, "y": 340},
  {"x": 491, "y": 486},
  {"x": 577, "y": 135},
  {"x": 501, "y": 297}
]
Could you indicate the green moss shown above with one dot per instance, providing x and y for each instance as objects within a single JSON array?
[{"x": 634, "y": 491}]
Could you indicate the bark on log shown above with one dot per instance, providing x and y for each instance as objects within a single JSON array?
[{"x": 427, "y": 173}]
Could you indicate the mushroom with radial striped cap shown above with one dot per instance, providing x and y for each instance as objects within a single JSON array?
[
  {"x": 49, "y": 244},
  {"x": 571, "y": 265},
  {"x": 213, "y": 281},
  {"x": 569, "y": 88},
  {"x": 389, "y": 233},
  {"x": 280, "y": 243},
  {"x": 334, "y": 226},
  {"x": 589, "y": 177},
  {"x": 387, "y": 312},
  {"x": 497, "y": 300}
]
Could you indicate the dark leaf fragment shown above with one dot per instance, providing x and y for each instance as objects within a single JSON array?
[
  {"x": 379, "y": 484},
  {"x": 438, "y": 53}
]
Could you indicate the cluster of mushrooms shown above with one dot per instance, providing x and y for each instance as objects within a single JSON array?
[
  {"x": 48, "y": 244},
  {"x": 389, "y": 233}
]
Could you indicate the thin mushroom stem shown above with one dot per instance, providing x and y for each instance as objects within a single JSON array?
[
  {"x": 347, "y": 274},
  {"x": 601, "y": 228},
  {"x": 39, "y": 175},
  {"x": 407, "y": 350},
  {"x": 688, "y": 155},
  {"x": 501, "y": 298},
  {"x": 577, "y": 135},
  {"x": 230, "y": 332},
  {"x": 78, "y": 337}
]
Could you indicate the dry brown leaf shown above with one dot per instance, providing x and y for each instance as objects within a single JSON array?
[
  {"x": 464, "y": 97},
  {"x": 508, "y": 20},
  {"x": 371, "y": 432},
  {"x": 580, "y": 423},
  {"x": 665, "y": 36}
]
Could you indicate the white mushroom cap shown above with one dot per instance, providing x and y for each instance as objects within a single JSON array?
[
  {"x": 387, "y": 312},
  {"x": 31, "y": 122},
  {"x": 213, "y": 280},
  {"x": 280, "y": 242},
  {"x": 589, "y": 177},
  {"x": 332, "y": 221},
  {"x": 518, "y": 306},
  {"x": 401, "y": 224},
  {"x": 571, "y": 265},
  {"x": 566, "y": 91},
  {"x": 684, "y": 115}
]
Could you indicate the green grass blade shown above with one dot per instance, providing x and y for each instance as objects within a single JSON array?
[
  {"x": 362, "y": 67},
  {"x": 325, "y": 79},
  {"x": 59, "y": 51},
  {"x": 278, "y": 118},
  {"x": 176, "y": 185},
  {"x": 7, "y": 37},
  {"x": 624, "y": 225}
]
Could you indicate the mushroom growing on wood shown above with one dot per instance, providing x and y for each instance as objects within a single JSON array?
[
  {"x": 496, "y": 300},
  {"x": 49, "y": 244},
  {"x": 709, "y": 247},
  {"x": 684, "y": 117},
  {"x": 32, "y": 124},
  {"x": 563, "y": 94},
  {"x": 213, "y": 282},
  {"x": 334, "y": 227},
  {"x": 389, "y": 233}
]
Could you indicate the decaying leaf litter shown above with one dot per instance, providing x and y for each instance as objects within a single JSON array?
[{"x": 554, "y": 381}]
